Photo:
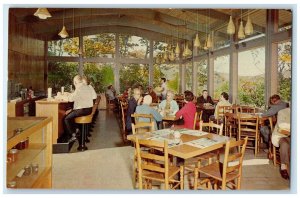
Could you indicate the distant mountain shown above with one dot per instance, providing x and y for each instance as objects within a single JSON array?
[{"x": 223, "y": 77}]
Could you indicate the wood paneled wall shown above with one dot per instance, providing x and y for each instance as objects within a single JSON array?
[{"x": 25, "y": 56}]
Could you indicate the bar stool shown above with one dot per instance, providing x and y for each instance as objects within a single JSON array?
[{"x": 84, "y": 121}]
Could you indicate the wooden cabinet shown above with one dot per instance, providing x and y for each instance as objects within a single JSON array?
[
  {"x": 56, "y": 110},
  {"x": 38, "y": 152},
  {"x": 22, "y": 108}
]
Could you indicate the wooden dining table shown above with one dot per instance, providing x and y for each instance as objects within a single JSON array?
[{"x": 191, "y": 143}]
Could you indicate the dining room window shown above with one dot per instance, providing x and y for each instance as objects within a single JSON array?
[
  {"x": 201, "y": 76},
  {"x": 188, "y": 66},
  {"x": 61, "y": 74},
  {"x": 99, "y": 45},
  {"x": 170, "y": 72},
  {"x": 64, "y": 47},
  {"x": 284, "y": 70},
  {"x": 100, "y": 75},
  {"x": 134, "y": 47},
  {"x": 132, "y": 75},
  {"x": 221, "y": 75},
  {"x": 251, "y": 77}
]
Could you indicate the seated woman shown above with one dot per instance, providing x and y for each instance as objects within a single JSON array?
[
  {"x": 146, "y": 109},
  {"x": 222, "y": 102},
  {"x": 168, "y": 106},
  {"x": 187, "y": 112}
]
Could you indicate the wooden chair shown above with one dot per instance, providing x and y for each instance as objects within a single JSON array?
[
  {"x": 248, "y": 109},
  {"x": 221, "y": 113},
  {"x": 230, "y": 123},
  {"x": 227, "y": 172},
  {"x": 197, "y": 119},
  {"x": 145, "y": 118},
  {"x": 139, "y": 128},
  {"x": 123, "y": 107},
  {"x": 248, "y": 127},
  {"x": 142, "y": 127},
  {"x": 155, "y": 166},
  {"x": 190, "y": 164},
  {"x": 211, "y": 127}
]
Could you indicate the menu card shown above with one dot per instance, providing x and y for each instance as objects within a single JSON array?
[
  {"x": 171, "y": 142},
  {"x": 193, "y": 132},
  {"x": 162, "y": 132},
  {"x": 202, "y": 143}
]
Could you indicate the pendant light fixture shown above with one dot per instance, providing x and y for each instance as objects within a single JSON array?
[
  {"x": 63, "y": 33},
  {"x": 172, "y": 56},
  {"x": 197, "y": 40},
  {"x": 241, "y": 33},
  {"x": 249, "y": 26},
  {"x": 42, "y": 13},
  {"x": 230, "y": 27}
]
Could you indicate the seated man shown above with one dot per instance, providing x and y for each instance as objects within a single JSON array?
[
  {"x": 205, "y": 101},
  {"x": 83, "y": 104},
  {"x": 276, "y": 104},
  {"x": 281, "y": 139},
  {"x": 133, "y": 102},
  {"x": 146, "y": 109},
  {"x": 86, "y": 82}
]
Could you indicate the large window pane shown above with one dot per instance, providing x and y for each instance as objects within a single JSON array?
[
  {"x": 170, "y": 72},
  {"x": 188, "y": 75},
  {"x": 64, "y": 47},
  {"x": 221, "y": 75},
  {"x": 134, "y": 47},
  {"x": 100, "y": 75},
  {"x": 201, "y": 76},
  {"x": 61, "y": 74},
  {"x": 251, "y": 80},
  {"x": 132, "y": 75},
  {"x": 284, "y": 70},
  {"x": 100, "y": 45}
]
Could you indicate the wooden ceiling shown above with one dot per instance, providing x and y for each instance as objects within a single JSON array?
[{"x": 154, "y": 23}]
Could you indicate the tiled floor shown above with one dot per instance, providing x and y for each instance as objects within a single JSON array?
[{"x": 107, "y": 165}]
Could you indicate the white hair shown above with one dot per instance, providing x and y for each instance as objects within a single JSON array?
[
  {"x": 77, "y": 79},
  {"x": 147, "y": 100}
]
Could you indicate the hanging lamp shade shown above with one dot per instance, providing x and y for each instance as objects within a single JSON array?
[
  {"x": 177, "y": 50},
  {"x": 172, "y": 56},
  {"x": 241, "y": 33},
  {"x": 63, "y": 33},
  {"x": 249, "y": 27},
  {"x": 166, "y": 56},
  {"x": 197, "y": 41},
  {"x": 42, "y": 13},
  {"x": 230, "y": 27}
]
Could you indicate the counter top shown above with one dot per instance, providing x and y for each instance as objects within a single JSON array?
[{"x": 50, "y": 101}]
